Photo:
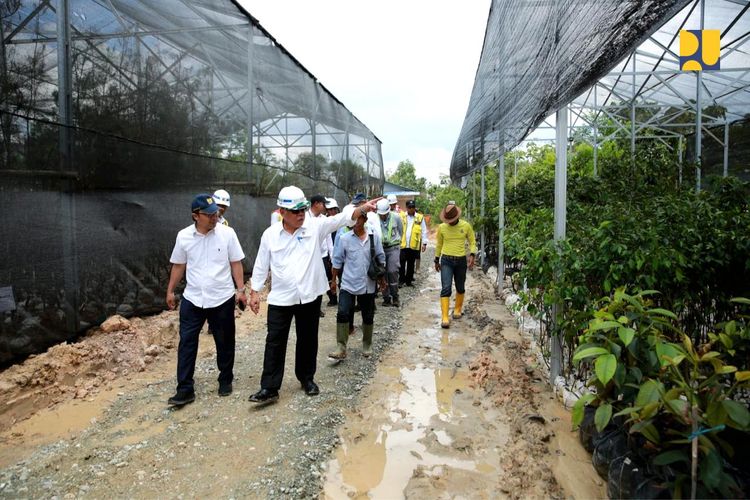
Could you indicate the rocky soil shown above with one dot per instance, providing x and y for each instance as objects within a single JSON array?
[{"x": 90, "y": 420}]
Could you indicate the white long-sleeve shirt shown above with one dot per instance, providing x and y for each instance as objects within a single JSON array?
[{"x": 294, "y": 260}]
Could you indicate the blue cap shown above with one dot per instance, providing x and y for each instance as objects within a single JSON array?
[
  {"x": 204, "y": 203},
  {"x": 359, "y": 198}
]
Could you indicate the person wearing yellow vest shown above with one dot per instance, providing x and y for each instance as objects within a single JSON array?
[
  {"x": 450, "y": 258},
  {"x": 413, "y": 240}
]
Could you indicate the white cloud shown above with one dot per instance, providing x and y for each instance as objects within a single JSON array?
[{"x": 405, "y": 68}]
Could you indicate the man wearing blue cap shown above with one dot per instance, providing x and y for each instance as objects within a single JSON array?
[{"x": 211, "y": 256}]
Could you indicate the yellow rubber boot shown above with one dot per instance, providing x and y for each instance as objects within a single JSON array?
[
  {"x": 445, "y": 303},
  {"x": 457, "y": 310}
]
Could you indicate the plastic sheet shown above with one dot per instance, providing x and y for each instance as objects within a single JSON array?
[
  {"x": 166, "y": 100},
  {"x": 538, "y": 56}
]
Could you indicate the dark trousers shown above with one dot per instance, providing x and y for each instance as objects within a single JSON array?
[
  {"x": 221, "y": 322},
  {"x": 408, "y": 258},
  {"x": 306, "y": 319},
  {"x": 329, "y": 274},
  {"x": 452, "y": 269},
  {"x": 392, "y": 265},
  {"x": 346, "y": 307}
]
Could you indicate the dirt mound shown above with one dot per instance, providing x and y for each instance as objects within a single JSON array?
[{"x": 79, "y": 370}]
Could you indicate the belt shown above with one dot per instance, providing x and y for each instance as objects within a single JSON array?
[
  {"x": 391, "y": 246},
  {"x": 453, "y": 257}
]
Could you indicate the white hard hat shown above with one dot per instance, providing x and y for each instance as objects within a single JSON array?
[
  {"x": 392, "y": 199},
  {"x": 331, "y": 203},
  {"x": 292, "y": 197},
  {"x": 221, "y": 197},
  {"x": 383, "y": 207}
]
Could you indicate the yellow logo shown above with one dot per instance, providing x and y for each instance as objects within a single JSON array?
[
  {"x": 699, "y": 50},
  {"x": 209, "y": 200}
]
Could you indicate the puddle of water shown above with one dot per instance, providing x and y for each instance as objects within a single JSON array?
[
  {"x": 50, "y": 425},
  {"x": 136, "y": 429},
  {"x": 379, "y": 461}
]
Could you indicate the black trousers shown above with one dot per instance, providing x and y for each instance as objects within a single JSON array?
[
  {"x": 329, "y": 275},
  {"x": 306, "y": 319},
  {"x": 346, "y": 307},
  {"x": 221, "y": 322},
  {"x": 406, "y": 273}
]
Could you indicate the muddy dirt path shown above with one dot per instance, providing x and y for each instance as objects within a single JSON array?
[{"x": 435, "y": 413}]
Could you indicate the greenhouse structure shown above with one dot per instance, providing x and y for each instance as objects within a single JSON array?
[
  {"x": 564, "y": 66},
  {"x": 113, "y": 115}
]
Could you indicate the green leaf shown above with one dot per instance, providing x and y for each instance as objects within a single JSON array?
[
  {"x": 742, "y": 376},
  {"x": 727, "y": 369},
  {"x": 577, "y": 414},
  {"x": 648, "y": 393},
  {"x": 627, "y": 411},
  {"x": 647, "y": 429},
  {"x": 626, "y": 335},
  {"x": 737, "y": 412},
  {"x": 710, "y": 355},
  {"x": 740, "y": 300},
  {"x": 670, "y": 457},
  {"x": 662, "y": 312},
  {"x": 589, "y": 352},
  {"x": 679, "y": 407},
  {"x": 649, "y": 410},
  {"x": 603, "y": 325},
  {"x": 666, "y": 352},
  {"x": 710, "y": 469},
  {"x": 677, "y": 359},
  {"x": 623, "y": 320},
  {"x": 602, "y": 416},
  {"x": 605, "y": 367}
]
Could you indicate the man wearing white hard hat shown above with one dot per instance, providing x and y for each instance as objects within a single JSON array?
[
  {"x": 223, "y": 200},
  {"x": 391, "y": 228},
  {"x": 332, "y": 208},
  {"x": 393, "y": 202},
  {"x": 290, "y": 251}
]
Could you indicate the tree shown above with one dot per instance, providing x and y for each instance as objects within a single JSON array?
[{"x": 406, "y": 176}]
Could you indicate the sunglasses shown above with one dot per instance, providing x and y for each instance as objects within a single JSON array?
[{"x": 295, "y": 211}]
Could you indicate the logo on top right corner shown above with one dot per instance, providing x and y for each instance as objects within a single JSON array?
[{"x": 699, "y": 50}]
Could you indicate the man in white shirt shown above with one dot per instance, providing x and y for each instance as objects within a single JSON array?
[
  {"x": 211, "y": 255},
  {"x": 291, "y": 252},
  {"x": 318, "y": 209}
]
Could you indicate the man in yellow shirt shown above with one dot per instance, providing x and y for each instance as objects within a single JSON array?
[{"x": 450, "y": 258}]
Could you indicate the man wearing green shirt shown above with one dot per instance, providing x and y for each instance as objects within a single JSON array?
[{"x": 450, "y": 258}]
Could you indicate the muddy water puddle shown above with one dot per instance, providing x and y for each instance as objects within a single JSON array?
[{"x": 419, "y": 419}]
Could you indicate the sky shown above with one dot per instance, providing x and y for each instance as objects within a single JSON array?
[{"x": 405, "y": 68}]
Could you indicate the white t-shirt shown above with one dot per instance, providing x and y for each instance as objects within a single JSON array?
[{"x": 208, "y": 274}]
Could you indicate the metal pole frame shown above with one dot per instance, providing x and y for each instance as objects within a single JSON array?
[{"x": 561, "y": 180}]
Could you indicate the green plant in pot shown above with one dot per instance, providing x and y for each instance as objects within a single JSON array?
[
  {"x": 621, "y": 345},
  {"x": 688, "y": 410}
]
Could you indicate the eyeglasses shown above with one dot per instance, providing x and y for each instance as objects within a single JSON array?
[{"x": 295, "y": 211}]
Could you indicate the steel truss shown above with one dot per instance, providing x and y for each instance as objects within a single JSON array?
[
  {"x": 221, "y": 41},
  {"x": 679, "y": 107}
]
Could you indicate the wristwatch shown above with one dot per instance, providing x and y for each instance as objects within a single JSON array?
[{"x": 241, "y": 290}]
